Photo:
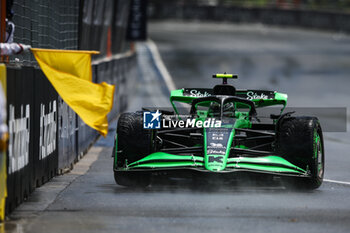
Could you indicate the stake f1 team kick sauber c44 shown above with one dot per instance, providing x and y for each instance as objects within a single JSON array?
[{"x": 220, "y": 136}]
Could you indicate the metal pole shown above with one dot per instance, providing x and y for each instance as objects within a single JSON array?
[{"x": 3, "y": 21}]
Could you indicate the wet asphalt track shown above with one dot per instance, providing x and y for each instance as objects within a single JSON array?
[{"x": 313, "y": 67}]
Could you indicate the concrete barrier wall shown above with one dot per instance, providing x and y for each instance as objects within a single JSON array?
[
  {"x": 273, "y": 16},
  {"x": 46, "y": 137}
]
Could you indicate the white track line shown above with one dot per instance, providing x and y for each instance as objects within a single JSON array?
[
  {"x": 159, "y": 63},
  {"x": 336, "y": 181}
]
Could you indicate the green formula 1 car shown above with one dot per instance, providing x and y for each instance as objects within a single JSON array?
[{"x": 220, "y": 135}]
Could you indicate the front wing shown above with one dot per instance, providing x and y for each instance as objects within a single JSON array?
[{"x": 164, "y": 162}]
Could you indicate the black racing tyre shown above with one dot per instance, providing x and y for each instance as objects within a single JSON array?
[
  {"x": 134, "y": 142},
  {"x": 300, "y": 141},
  {"x": 137, "y": 180}
]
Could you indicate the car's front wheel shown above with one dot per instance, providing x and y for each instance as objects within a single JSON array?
[
  {"x": 128, "y": 179},
  {"x": 133, "y": 143},
  {"x": 300, "y": 141}
]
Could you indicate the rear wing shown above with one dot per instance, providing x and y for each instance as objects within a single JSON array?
[{"x": 261, "y": 98}]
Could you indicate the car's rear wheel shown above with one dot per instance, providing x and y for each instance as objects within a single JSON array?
[
  {"x": 300, "y": 141},
  {"x": 133, "y": 143}
]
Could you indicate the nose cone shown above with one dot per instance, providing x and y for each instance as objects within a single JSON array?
[{"x": 217, "y": 142}]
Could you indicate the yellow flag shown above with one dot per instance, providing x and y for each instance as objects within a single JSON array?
[{"x": 70, "y": 74}]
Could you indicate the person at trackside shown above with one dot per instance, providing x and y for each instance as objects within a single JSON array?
[{"x": 7, "y": 49}]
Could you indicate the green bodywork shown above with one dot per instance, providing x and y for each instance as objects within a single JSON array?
[{"x": 273, "y": 164}]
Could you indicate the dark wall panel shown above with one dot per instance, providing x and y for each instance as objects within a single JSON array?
[
  {"x": 20, "y": 107},
  {"x": 67, "y": 153},
  {"x": 45, "y": 129}
]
